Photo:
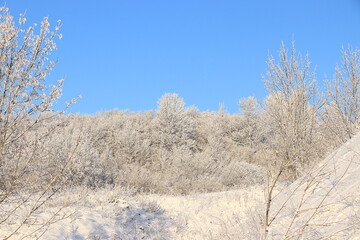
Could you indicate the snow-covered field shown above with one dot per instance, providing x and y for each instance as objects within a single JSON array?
[{"x": 113, "y": 214}]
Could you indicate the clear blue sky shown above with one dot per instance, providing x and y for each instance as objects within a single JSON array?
[{"x": 126, "y": 54}]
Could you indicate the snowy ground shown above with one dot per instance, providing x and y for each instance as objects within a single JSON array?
[
  {"x": 114, "y": 215},
  {"x": 324, "y": 204}
]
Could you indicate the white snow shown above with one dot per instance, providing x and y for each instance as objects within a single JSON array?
[
  {"x": 106, "y": 214},
  {"x": 327, "y": 201}
]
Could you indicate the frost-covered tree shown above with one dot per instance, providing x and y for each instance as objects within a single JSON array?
[
  {"x": 290, "y": 116},
  {"x": 26, "y": 101},
  {"x": 342, "y": 115},
  {"x": 291, "y": 110},
  {"x": 251, "y": 124},
  {"x": 175, "y": 122}
]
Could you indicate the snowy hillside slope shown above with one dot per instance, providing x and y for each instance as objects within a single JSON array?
[{"x": 324, "y": 204}]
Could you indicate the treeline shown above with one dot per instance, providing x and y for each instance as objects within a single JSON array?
[{"x": 177, "y": 149}]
